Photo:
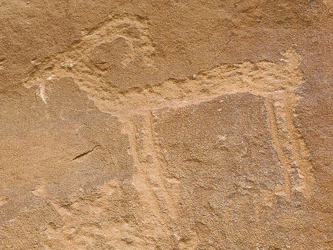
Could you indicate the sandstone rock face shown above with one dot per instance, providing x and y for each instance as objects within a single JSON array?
[{"x": 176, "y": 124}]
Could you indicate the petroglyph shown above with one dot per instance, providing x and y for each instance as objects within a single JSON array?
[
  {"x": 166, "y": 124},
  {"x": 276, "y": 82},
  {"x": 117, "y": 43}
]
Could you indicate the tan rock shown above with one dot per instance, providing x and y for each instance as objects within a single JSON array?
[{"x": 166, "y": 125}]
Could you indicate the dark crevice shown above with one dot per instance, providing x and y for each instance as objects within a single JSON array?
[{"x": 85, "y": 153}]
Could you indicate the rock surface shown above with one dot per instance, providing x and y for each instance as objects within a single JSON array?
[{"x": 180, "y": 124}]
